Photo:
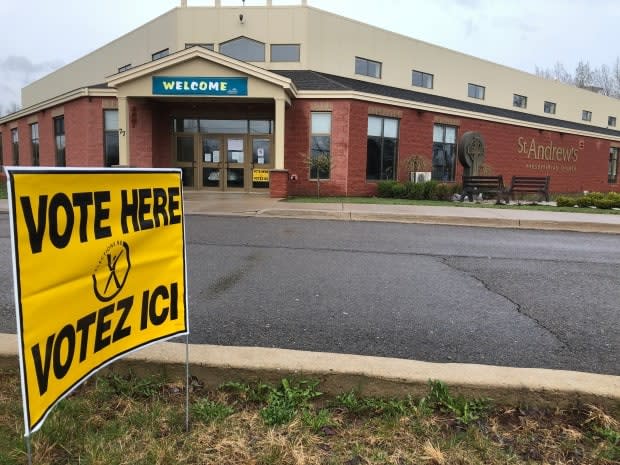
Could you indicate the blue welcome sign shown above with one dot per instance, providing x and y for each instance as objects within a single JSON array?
[{"x": 177, "y": 85}]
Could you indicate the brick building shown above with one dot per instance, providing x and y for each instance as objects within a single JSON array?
[{"x": 243, "y": 104}]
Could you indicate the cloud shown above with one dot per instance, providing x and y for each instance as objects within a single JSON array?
[{"x": 15, "y": 73}]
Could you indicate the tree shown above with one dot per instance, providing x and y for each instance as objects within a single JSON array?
[
  {"x": 415, "y": 164},
  {"x": 319, "y": 166},
  {"x": 583, "y": 75}
]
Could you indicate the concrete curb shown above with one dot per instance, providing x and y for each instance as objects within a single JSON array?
[
  {"x": 371, "y": 376},
  {"x": 487, "y": 222}
]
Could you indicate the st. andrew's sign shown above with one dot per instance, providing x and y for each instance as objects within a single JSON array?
[{"x": 214, "y": 86}]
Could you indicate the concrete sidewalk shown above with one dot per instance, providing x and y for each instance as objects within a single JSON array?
[{"x": 263, "y": 206}]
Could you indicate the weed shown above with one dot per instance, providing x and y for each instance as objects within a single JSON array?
[
  {"x": 317, "y": 421},
  {"x": 288, "y": 399},
  {"x": 208, "y": 411},
  {"x": 257, "y": 393},
  {"x": 465, "y": 411}
]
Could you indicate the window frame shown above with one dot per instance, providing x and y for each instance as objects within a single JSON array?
[
  {"x": 237, "y": 39},
  {"x": 452, "y": 168},
  {"x": 160, "y": 54},
  {"x": 108, "y": 132},
  {"x": 35, "y": 144},
  {"x": 271, "y": 48},
  {"x": 611, "y": 121},
  {"x": 366, "y": 62},
  {"x": 422, "y": 75},
  {"x": 551, "y": 106},
  {"x": 60, "y": 153},
  {"x": 124, "y": 68},
  {"x": 612, "y": 167},
  {"x": 517, "y": 99},
  {"x": 1, "y": 152},
  {"x": 586, "y": 115},
  {"x": 382, "y": 140},
  {"x": 15, "y": 145},
  {"x": 475, "y": 88},
  {"x": 314, "y": 134}
]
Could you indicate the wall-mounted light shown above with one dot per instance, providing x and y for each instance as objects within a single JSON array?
[{"x": 241, "y": 18}]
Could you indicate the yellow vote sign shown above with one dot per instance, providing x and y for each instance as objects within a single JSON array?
[
  {"x": 260, "y": 175},
  {"x": 99, "y": 260}
]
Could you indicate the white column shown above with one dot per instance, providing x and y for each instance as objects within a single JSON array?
[
  {"x": 279, "y": 133},
  {"x": 123, "y": 132}
]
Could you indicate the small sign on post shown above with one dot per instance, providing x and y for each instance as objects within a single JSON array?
[{"x": 99, "y": 271}]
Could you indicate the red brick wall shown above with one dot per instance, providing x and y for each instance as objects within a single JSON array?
[
  {"x": 588, "y": 172},
  {"x": 278, "y": 183},
  {"x": 84, "y": 132},
  {"x": 140, "y": 133}
]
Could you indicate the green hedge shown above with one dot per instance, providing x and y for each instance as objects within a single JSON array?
[
  {"x": 593, "y": 199},
  {"x": 429, "y": 190}
]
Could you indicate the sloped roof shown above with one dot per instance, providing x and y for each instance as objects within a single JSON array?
[{"x": 315, "y": 81}]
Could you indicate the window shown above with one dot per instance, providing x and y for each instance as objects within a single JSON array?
[
  {"x": 367, "y": 67},
  {"x": 519, "y": 101},
  {"x": 284, "y": 52},
  {"x": 444, "y": 152},
  {"x": 34, "y": 140},
  {"x": 15, "y": 143},
  {"x": 124, "y": 68},
  {"x": 1, "y": 155},
  {"x": 160, "y": 54},
  {"x": 244, "y": 49},
  {"x": 421, "y": 79},
  {"x": 59, "y": 140},
  {"x": 612, "y": 172},
  {"x": 320, "y": 143},
  {"x": 611, "y": 121},
  {"x": 382, "y": 148},
  {"x": 110, "y": 137},
  {"x": 586, "y": 115},
  {"x": 207, "y": 46},
  {"x": 475, "y": 91},
  {"x": 550, "y": 108}
]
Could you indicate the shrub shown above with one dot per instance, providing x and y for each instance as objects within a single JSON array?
[
  {"x": 399, "y": 191},
  {"x": 443, "y": 191},
  {"x": 384, "y": 188},
  {"x": 564, "y": 201},
  {"x": 430, "y": 190},
  {"x": 416, "y": 191}
]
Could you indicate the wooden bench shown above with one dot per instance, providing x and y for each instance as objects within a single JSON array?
[
  {"x": 473, "y": 186},
  {"x": 529, "y": 184}
]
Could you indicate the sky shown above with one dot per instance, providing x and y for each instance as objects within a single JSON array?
[{"x": 38, "y": 36}]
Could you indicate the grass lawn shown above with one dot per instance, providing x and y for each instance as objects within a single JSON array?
[
  {"x": 126, "y": 420},
  {"x": 442, "y": 203}
]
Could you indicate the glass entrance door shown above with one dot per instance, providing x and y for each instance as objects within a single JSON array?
[{"x": 224, "y": 155}]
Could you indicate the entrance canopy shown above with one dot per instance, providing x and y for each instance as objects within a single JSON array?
[{"x": 197, "y": 74}]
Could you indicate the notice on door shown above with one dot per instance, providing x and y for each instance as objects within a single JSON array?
[{"x": 99, "y": 266}]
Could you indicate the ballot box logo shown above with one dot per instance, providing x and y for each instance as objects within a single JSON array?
[{"x": 111, "y": 272}]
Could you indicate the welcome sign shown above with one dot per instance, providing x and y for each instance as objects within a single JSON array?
[
  {"x": 99, "y": 266},
  {"x": 214, "y": 86}
]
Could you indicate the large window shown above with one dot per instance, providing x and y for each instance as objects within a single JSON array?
[
  {"x": 34, "y": 143},
  {"x": 59, "y": 140},
  {"x": 612, "y": 172},
  {"x": 444, "y": 152},
  {"x": 15, "y": 143},
  {"x": 475, "y": 91},
  {"x": 367, "y": 67},
  {"x": 421, "y": 79},
  {"x": 382, "y": 148},
  {"x": 320, "y": 144},
  {"x": 244, "y": 49},
  {"x": 550, "y": 108},
  {"x": 110, "y": 137},
  {"x": 285, "y": 52}
]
